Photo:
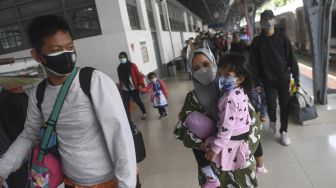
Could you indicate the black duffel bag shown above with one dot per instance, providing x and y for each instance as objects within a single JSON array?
[
  {"x": 302, "y": 107},
  {"x": 139, "y": 145}
]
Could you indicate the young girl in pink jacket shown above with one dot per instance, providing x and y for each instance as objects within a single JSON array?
[
  {"x": 159, "y": 94},
  {"x": 228, "y": 149}
]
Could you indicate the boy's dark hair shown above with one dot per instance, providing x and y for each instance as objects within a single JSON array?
[
  {"x": 238, "y": 63},
  {"x": 45, "y": 26},
  {"x": 150, "y": 75}
]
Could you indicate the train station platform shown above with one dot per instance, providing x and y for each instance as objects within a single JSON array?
[{"x": 309, "y": 162}]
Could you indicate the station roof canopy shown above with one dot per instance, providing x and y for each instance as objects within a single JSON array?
[{"x": 220, "y": 11}]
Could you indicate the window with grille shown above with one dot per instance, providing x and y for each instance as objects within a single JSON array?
[
  {"x": 15, "y": 16},
  {"x": 175, "y": 17},
  {"x": 133, "y": 14},
  {"x": 83, "y": 22},
  {"x": 133, "y": 17},
  {"x": 151, "y": 20},
  {"x": 10, "y": 37}
]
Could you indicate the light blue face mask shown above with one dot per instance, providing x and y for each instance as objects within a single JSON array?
[{"x": 227, "y": 84}]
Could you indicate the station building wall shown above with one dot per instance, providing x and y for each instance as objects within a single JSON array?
[{"x": 101, "y": 51}]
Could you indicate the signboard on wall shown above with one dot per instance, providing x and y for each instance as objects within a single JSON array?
[{"x": 144, "y": 51}]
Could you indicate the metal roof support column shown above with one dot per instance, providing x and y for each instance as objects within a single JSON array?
[
  {"x": 169, "y": 28},
  {"x": 252, "y": 19},
  {"x": 319, "y": 19},
  {"x": 247, "y": 18}
]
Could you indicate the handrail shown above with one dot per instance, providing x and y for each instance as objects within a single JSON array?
[
  {"x": 12, "y": 60},
  {"x": 23, "y": 58}
]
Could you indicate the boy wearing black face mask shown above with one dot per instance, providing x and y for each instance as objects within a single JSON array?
[
  {"x": 273, "y": 60},
  {"x": 92, "y": 135}
]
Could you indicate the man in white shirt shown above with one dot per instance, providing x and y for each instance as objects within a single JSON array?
[{"x": 94, "y": 139}]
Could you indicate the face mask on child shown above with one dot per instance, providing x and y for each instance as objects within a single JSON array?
[
  {"x": 227, "y": 84},
  {"x": 154, "y": 80}
]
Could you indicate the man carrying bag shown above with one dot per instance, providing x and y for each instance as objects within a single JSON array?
[
  {"x": 274, "y": 62},
  {"x": 94, "y": 139}
]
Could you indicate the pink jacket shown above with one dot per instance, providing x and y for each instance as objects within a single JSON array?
[{"x": 234, "y": 120}]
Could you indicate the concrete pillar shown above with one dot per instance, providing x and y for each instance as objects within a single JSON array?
[
  {"x": 164, "y": 12},
  {"x": 192, "y": 24},
  {"x": 185, "y": 17},
  {"x": 165, "y": 6},
  {"x": 143, "y": 17},
  {"x": 158, "y": 26},
  {"x": 156, "y": 14}
]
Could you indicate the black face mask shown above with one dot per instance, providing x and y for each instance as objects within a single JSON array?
[{"x": 60, "y": 63}]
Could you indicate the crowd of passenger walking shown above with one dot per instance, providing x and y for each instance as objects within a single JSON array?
[{"x": 78, "y": 130}]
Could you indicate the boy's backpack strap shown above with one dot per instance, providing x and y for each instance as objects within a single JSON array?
[
  {"x": 85, "y": 75},
  {"x": 52, "y": 121},
  {"x": 40, "y": 93}
]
